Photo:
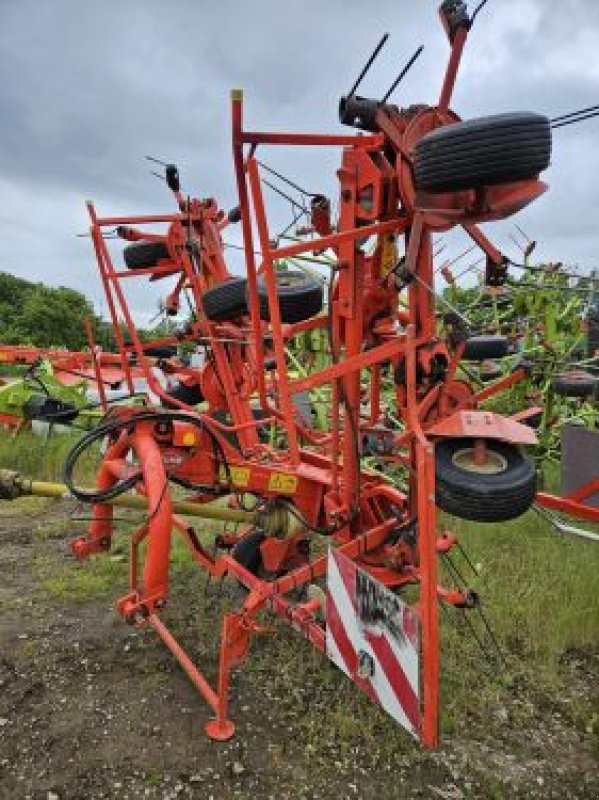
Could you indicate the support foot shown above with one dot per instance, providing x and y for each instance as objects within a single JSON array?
[{"x": 219, "y": 730}]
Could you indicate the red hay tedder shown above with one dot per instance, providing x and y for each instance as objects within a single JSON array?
[{"x": 410, "y": 172}]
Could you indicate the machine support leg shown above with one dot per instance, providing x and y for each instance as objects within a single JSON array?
[
  {"x": 185, "y": 661},
  {"x": 425, "y": 465},
  {"x": 221, "y": 727}
]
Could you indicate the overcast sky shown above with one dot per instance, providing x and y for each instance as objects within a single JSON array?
[{"x": 87, "y": 89}]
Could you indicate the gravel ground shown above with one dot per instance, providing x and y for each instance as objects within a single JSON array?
[{"x": 91, "y": 708}]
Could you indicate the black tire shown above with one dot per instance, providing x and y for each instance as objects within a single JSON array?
[
  {"x": 484, "y": 497},
  {"x": 482, "y": 152},
  {"x": 161, "y": 351},
  {"x": 142, "y": 255},
  {"x": 574, "y": 384},
  {"x": 226, "y": 300},
  {"x": 247, "y": 552},
  {"x": 479, "y": 348},
  {"x": 300, "y": 296},
  {"x": 191, "y": 395}
]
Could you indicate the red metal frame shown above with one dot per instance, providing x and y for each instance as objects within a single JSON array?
[
  {"x": 573, "y": 504},
  {"x": 319, "y": 473},
  {"x": 70, "y": 366}
]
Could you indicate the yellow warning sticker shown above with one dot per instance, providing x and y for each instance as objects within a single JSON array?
[
  {"x": 239, "y": 476},
  {"x": 189, "y": 438},
  {"x": 280, "y": 482}
]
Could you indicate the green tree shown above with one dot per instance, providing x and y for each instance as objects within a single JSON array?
[
  {"x": 32, "y": 313},
  {"x": 55, "y": 317}
]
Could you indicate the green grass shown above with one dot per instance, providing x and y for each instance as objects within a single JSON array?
[
  {"x": 11, "y": 371},
  {"x": 96, "y": 580},
  {"x": 538, "y": 590},
  {"x": 43, "y": 459},
  {"x": 35, "y": 457}
]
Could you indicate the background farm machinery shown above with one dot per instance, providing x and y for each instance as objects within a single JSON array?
[
  {"x": 64, "y": 388},
  {"x": 547, "y": 321},
  {"x": 39, "y": 396},
  {"x": 52, "y": 385},
  {"x": 345, "y": 554}
]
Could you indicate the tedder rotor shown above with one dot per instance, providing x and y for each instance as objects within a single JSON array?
[{"x": 327, "y": 545}]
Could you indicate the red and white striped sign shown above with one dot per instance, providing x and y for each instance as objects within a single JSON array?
[{"x": 373, "y": 637}]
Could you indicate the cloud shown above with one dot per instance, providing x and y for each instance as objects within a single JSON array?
[{"x": 89, "y": 89}]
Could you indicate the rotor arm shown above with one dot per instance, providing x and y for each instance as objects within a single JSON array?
[
  {"x": 456, "y": 23},
  {"x": 130, "y": 234},
  {"x": 496, "y": 270}
]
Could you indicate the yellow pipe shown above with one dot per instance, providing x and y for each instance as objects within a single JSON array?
[{"x": 13, "y": 485}]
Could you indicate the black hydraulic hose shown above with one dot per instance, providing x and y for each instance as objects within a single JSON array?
[
  {"x": 97, "y": 434},
  {"x": 112, "y": 427}
]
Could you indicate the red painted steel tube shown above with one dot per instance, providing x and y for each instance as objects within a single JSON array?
[
  {"x": 424, "y": 290},
  {"x": 185, "y": 661},
  {"x": 485, "y": 244},
  {"x": 103, "y": 262},
  {"x": 149, "y": 220},
  {"x": 248, "y": 239},
  {"x": 501, "y": 385},
  {"x": 366, "y": 359},
  {"x": 315, "y": 139},
  {"x": 324, "y": 242},
  {"x": 156, "y": 272},
  {"x": 429, "y": 601},
  {"x": 452, "y": 68},
  {"x": 155, "y": 577},
  {"x": 568, "y": 506},
  {"x": 100, "y": 529},
  {"x": 299, "y": 619},
  {"x": 412, "y": 265},
  {"x": 94, "y": 356},
  {"x": 274, "y": 312},
  {"x": 306, "y": 325},
  {"x": 422, "y": 493},
  {"x": 587, "y": 490},
  {"x": 133, "y": 235}
]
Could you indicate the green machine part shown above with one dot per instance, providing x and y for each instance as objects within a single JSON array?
[{"x": 15, "y": 395}]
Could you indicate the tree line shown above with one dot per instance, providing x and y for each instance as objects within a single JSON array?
[{"x": 44, "y": 316}]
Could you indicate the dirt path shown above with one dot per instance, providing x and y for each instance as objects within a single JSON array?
[{"x": 90, "y": 708}]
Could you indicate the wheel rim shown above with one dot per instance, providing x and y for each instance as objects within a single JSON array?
[
  {"x": 284, "y": 280},
  {"x": 494, "y": 463}
]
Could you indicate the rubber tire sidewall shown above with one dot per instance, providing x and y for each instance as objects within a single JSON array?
[
  {"x": 502, "y": 148},
  {"x": 480, "y": 348},
  {"x": 484, "y": 498},
  {"x": 573, "y": 388},
  {"x": 226, "y": 300},
  {"x": 145, "y": 255},
  {"x": 247, "y": 552},
  {"x": 296, "y": 303}
]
